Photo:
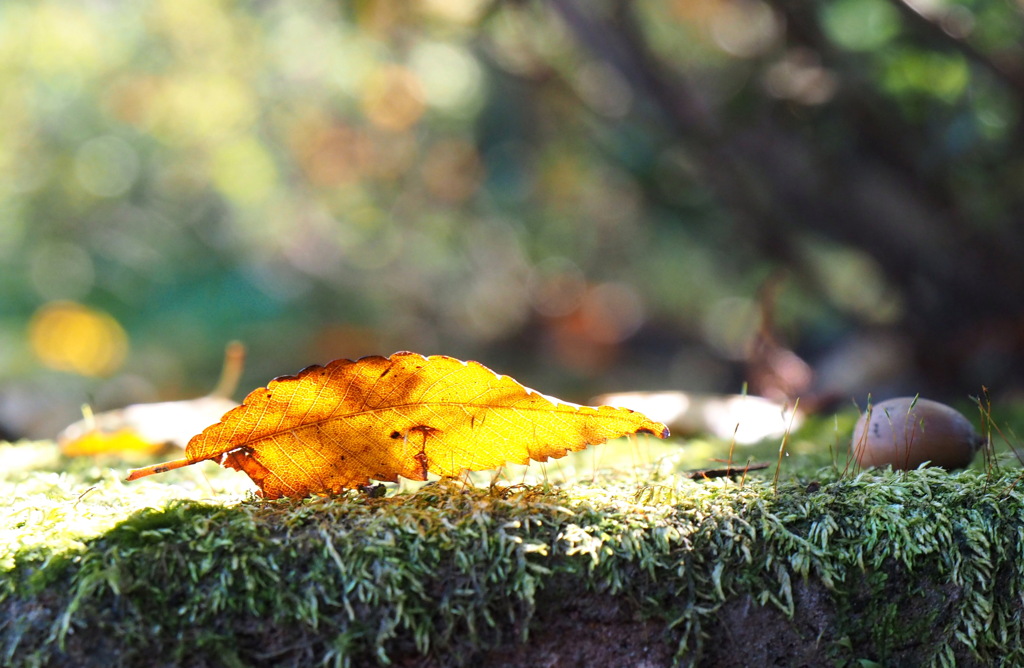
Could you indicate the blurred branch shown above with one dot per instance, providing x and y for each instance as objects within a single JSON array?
[
  {"x": 767, "y": 176},
  {"x": 879, "y": 128},
  {"x": 875, "y": 190},
  {"x": 624, "y": 47},
  {"x": 1013, "y": 76}
]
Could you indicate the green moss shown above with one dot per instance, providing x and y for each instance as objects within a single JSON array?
[{"x": 180, "y": 572}]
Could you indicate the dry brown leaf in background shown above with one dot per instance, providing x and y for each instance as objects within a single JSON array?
[
  {"x": 144, "y": 428},
  {"x": 147, "y": 428},
  {"x": 339, "y": 426}
]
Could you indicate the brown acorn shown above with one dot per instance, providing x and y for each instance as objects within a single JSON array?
[{"x": 908, "y": 431}]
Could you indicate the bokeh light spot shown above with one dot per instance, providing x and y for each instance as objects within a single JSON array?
[
  {"x": 745, "y": 28},
  {"x": 67, "y": 336},
  {"x": 861, "y": 25},
  {"x": 393, "y": 98},
  {"x": 451, "y": 78},
  {"x": 106, "y": 166},
  {"x": 200, "y": 107},
  {"x": 59, "y": 39},
  {"x": 799, "y": 76},
  {"x": 244, "y": 171},
  {"x": 466, "y": 12}
]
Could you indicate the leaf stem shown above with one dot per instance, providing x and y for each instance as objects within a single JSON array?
[{"x": 162, "y": 467}]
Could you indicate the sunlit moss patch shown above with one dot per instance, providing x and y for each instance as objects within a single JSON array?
[{"x": 921, "y": 567}]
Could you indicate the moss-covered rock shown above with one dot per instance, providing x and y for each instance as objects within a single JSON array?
[{"x": 915, "y": 568}]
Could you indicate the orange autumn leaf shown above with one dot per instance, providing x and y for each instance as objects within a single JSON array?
[{"x": 336, "y": 427}]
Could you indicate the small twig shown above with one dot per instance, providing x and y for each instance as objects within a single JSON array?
[
  {"x": 858, "y": 448},
  {"x": 989, "y": 425},
  {"x": 736, "y": 429},
  {"x": 782, "y": 446},
  {"x": 162, "y": 467},
  {"x": 727, "y": 472},
  {"x": 231, "y": 372}
]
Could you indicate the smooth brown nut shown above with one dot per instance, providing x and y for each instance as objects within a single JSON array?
[{"x": 906, "y": 432}]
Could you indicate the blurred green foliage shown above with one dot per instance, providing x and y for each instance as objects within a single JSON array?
[{"x": 326, "y": 179}]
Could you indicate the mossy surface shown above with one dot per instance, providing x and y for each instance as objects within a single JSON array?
[{"x": 915, "y": 568}]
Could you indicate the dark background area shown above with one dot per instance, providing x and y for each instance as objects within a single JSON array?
[{"x": 820, "y": 200}]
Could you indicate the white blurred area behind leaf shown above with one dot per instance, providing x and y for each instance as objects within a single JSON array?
[{"x": 750, "y": 418}]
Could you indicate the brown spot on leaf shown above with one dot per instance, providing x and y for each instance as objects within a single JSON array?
[{"x": 421, "y": 459}]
